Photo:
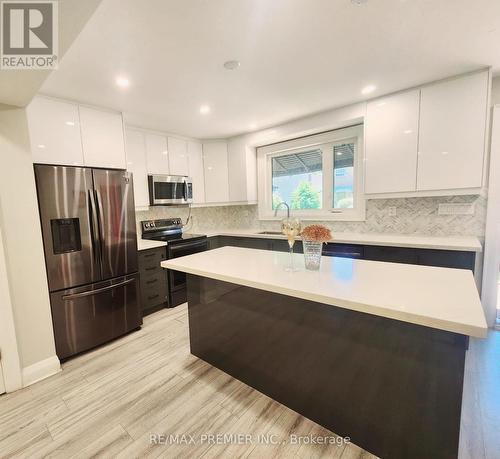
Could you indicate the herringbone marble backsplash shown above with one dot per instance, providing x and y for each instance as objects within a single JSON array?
[{"x": 413, "y": 216}]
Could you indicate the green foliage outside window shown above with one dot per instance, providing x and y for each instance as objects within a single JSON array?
[{"x": 305, "y": 197}]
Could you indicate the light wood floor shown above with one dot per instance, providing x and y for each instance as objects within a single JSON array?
[{"x": 108, "y": 402}]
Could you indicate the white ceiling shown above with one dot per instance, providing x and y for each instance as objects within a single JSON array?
[{"x": 297, "y": 57}]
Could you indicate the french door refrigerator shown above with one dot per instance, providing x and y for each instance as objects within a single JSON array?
[{"x": 89, "y": 236}]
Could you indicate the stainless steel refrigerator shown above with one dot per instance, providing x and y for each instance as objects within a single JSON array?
[{"x": 89, "y": 236}]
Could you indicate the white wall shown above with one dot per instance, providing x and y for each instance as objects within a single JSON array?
[
  {"x": 495, "y": 91},
  {"x": 9, "y": 364},
  {"x": 23, "y": 247}
]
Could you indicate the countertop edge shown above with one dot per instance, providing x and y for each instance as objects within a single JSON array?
[{"x": 441, "y": 324}]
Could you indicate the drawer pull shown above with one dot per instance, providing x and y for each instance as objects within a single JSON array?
[
  {"x": 152, "y": 297},
  {"x": 150, "y": 269},
  {"x": 151, "y": 281},
  {"x": 148, "y": 255}
]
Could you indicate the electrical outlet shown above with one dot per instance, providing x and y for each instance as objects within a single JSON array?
[
  {"x": 392, "y": 211},
  {"x": 456, "y": 209}
]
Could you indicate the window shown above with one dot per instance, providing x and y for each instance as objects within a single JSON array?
[
  {"x": 319, "y": 176},
  {"x": 297, "y": 179}
]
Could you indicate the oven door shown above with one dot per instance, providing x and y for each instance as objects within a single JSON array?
[
  {"x": 177, "y": 291},
  {"x": 169, "y": 189}
]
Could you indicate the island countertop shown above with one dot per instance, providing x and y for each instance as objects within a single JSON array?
[{"x": 441, "y": 298}]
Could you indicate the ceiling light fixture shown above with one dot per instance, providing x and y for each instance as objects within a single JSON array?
[
  {"x": 204, "y": 109},
  {"x": 41, "y": 146},
  {"x": 407, "y": 131},
  {"x": 368, "y": 89},
  {"x": 122, "y": 82},
  {"x": 231, "y": 65},
  {"x": 70, "y": 123}
]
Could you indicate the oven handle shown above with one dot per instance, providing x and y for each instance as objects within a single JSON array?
[
  {"x": 98, "y": 290},
  {"x": 172, "y": 247}
]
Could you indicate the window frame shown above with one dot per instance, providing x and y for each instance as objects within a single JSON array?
[{"x": 326, "y": 142}]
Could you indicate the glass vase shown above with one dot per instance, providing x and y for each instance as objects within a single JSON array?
[{"x": 312, "y": 254}]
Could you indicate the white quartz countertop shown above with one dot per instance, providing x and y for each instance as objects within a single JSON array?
[
  {"x": 441, "y": 298},
  {"x": 465, "y": 243},
  {"x": 461, "y": 243},
  {"x": 145, "y": 244}
]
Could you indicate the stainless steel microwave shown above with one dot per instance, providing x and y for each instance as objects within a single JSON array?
[{"x": 167, "y": 190}]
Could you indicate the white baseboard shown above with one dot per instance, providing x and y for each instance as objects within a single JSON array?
[{"x": 41, "y": 370}]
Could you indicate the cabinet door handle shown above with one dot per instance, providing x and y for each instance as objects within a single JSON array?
[
  {"x": 148, "y": 255},
  {"x": 152, "y": 297},
  {"x": 151, "y": 281},
  {"x": 150, "y": 269}
]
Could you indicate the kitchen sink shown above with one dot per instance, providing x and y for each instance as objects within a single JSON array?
[{"x": 271, "y": 232}]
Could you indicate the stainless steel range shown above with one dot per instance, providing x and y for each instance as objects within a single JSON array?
[
  {"x": 179, "y": 244},
  {"x": 90, "y": 244}
]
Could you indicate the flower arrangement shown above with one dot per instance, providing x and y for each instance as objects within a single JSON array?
[{"x": 316, "y": 233}]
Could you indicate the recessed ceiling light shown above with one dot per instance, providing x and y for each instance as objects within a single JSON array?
[
  {"x": 204, "y": 109},
  {"x": 122, "y": 82},
  {"x": 368, "y": 89},
  {"x": 407, "y": 131},
  {"x": 70, "y": 123},
  {"x": 231, "y": 65},
  {"x": 41, "y": 146}
]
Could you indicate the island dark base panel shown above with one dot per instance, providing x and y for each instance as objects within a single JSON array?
[{"x": 394, "y": 388}]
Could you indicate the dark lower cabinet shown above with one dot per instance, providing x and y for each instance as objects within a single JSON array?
[
  {"x": 391, "y": 254},
  {"x": 447, "y": 258},
  {"x": 425, "y": 257},
  {"x": 154, "y": 289},
  {"x": 344, "y": 250}
]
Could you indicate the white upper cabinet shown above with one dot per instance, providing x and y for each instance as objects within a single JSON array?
[
  {"x": 55, "y": 132},
  {"x": 178, "y": 156},
  {"x": 242, "y": 170},
  {"x": 157, "y": 154},
  {"x": 216, "y": 172},
  {"x": 135, "y": 147},
  {"x": 196, "y": 172},
  {"x": 452, "y": 133},
  {"x": 102, "y": 138},
  {"x": 391, "y": 143}
]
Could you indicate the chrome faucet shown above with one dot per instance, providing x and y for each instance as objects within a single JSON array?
[{"x": 282, "y": 203}]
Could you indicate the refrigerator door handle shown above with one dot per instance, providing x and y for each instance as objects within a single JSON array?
[
  {"x": 93, "y": 227},
  {"x": 97, "y": 291},
  {"x": 100, "y": 217}
]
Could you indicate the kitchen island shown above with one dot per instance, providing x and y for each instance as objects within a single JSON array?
[{"x": 370, "y": 350}]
